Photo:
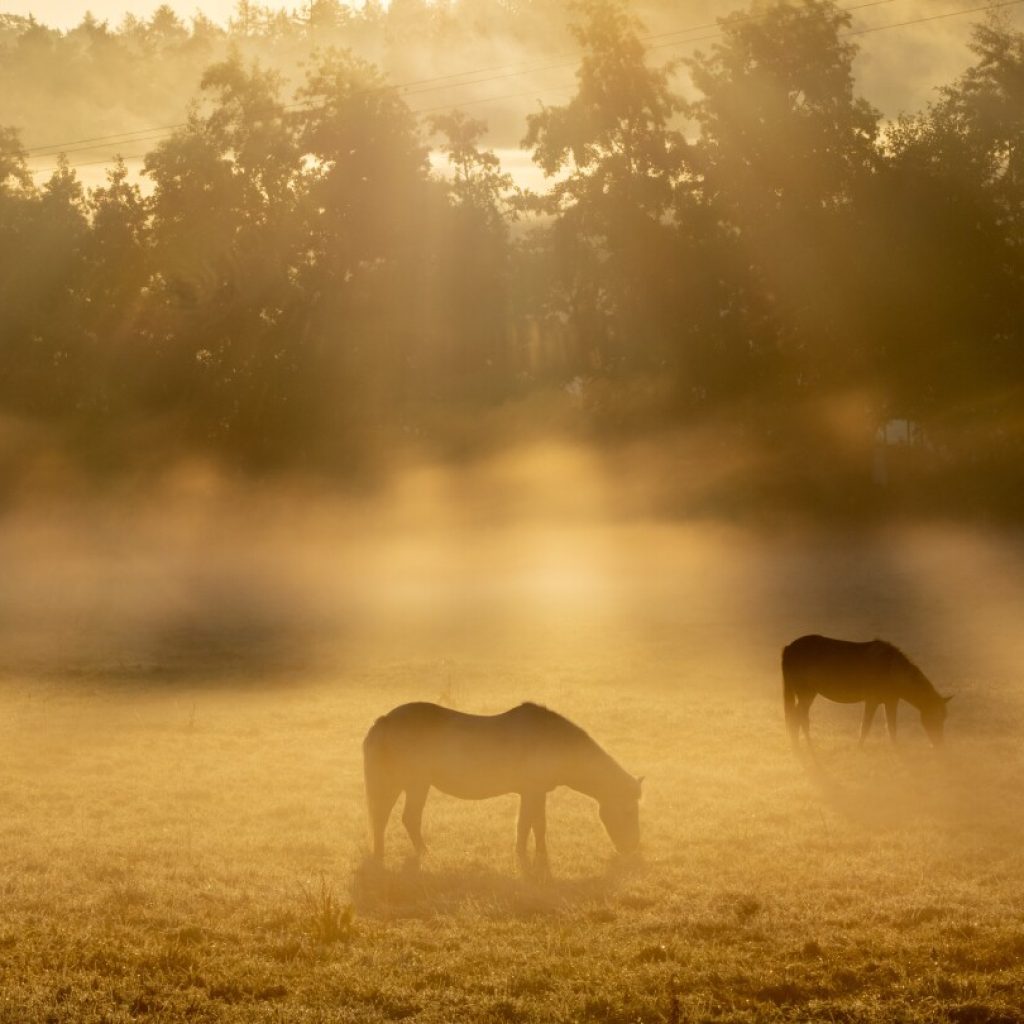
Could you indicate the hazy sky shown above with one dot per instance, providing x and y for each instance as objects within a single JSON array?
[
  {"x": 897, "y": 70},
  {"x": 65, "y": 13}
]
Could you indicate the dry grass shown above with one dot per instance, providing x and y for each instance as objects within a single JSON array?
[
  {"x": 191, "y": 845},
  {"x": 200, "y": 855}
]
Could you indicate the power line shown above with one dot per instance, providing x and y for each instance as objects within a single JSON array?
[
  {"x": 934, "y": 17},
  {"x": 739, "y": 19},
  {"x": 565, "y": 87},
  {"x": 411, "y": 88},
  {"x": 644, "y": 39},
  {"x": 884, "y": 28},
  {"x": 495, "y": 99},
  {"x": 60, "y": 147}
]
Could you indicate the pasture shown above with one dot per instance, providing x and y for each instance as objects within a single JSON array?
[{"x": 184, "y": 834}]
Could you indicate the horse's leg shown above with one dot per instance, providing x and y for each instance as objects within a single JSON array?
[
  {"x": 530, "y": 805},
  {"x": 793, "y": 724},
  {"x": 789, "y": 700},
  {"x": 870, "y": 707},
  {"x": 381, "y": 795},
  {"x": 804, "y": 712},
  {"x": 890, "y": 717},
  {"x": 540, "y": 828},
  {"x": 412, "y": 814}
]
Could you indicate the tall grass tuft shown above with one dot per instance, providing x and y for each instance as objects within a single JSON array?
[{"x": 328, "y": 919}]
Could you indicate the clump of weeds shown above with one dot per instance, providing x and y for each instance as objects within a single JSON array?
[{"x": 328, "y": 919}]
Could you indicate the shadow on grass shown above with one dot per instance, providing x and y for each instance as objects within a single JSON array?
[
  {"x": 228, "y": 645},
  {"x": 416, "y": 891},
  {"x": 877, "y": 798},
  {"x": 968, "y": 793}
]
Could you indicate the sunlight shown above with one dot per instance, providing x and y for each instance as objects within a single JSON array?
[{"x": 515, "y": 517}]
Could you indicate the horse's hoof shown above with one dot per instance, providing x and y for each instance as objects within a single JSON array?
[{"x": 411, "y": 864}]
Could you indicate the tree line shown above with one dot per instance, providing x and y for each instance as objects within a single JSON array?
[
  {"x": 760, "y": 258},
  {"x": 105, "y": 79}
]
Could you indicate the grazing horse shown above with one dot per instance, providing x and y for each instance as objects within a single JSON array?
[
  {"x": 527, "y": 750},
  {"x": 875, "y": 672}
]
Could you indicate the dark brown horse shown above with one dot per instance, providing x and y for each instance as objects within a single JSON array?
[
  {"x": 875, "y": 672},
  {"x": 528, "y": 750}
]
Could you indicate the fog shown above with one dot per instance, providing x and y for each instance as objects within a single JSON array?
[
  {"x": 501, "y": 71},
  {"x": 535, "y": 558},
  {"x": 351, "y": 358},
  {"x": 361, "y": 381}
]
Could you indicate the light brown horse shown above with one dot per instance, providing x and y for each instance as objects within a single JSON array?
[
  {"x": 527, "y": 750},
  {"x": 874, "y": 672}
]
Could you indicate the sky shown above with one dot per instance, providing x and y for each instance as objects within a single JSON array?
[
  {"x": 67, "y": 13},
  {"x": 897, "y": 70}
]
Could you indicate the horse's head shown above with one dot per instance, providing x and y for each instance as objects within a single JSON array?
[
  {"x": 933, "y": 718},
  {"x": 621, "y": 816}
]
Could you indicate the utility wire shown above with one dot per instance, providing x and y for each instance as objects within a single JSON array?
[
  {"x": 412, "y": 88},
  {"x": 643, "y": 39},
  {"x": 494, "y": 99},
  {"x": 933, "y": 17},
  {"x": 565, "y": 87},
  {"x": 884, "y": 28}
]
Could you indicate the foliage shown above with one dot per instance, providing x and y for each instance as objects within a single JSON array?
[
  {"x": 954, "y": 193},
  {"x": 297, "y": 286},
  {"x": 784, "y": 147},
  {"x": 617, "y": 161}
]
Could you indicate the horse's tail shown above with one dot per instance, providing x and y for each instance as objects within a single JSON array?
[
  {"x": 381, "y": 791},
  {"x": 372, "y": 747},
  {"x": 789, "y": 694},
  {"x": 375, "y": 758}
]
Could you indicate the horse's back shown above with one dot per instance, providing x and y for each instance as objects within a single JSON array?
[
  {"x": 814, "y": 651},
  {"x": 839, "y": 669},
  {"x": 461, "y": 754},
  {"x": 417, "y": 715},
  {"x": 422, "y": 720},
  {"x": 408, "y": 728}
]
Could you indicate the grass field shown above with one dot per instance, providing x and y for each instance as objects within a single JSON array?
[{"x": 183, "y": 833}]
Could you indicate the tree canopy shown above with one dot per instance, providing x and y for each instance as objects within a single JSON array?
[{"x": 737, "y": 244}]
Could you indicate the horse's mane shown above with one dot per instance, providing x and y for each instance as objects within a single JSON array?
[
  {"x": 573, "y": 733},
  {"x": 899, "y": 659},
  {"x": 555, "y": 722},
  {"x": 545, "y": 712}
]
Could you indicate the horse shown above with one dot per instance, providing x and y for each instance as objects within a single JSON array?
[
  {"x": 528, "y": 750},
  {"x": 874, "y": 672}
]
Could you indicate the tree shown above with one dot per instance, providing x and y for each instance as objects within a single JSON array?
[
  {"x": 477, "y": 181},
  {"x": 15, "y": 178},
  {"x": 223, "y": 217},
  {"x": 372, "y": 207},
  {"x": 474, "y": 249},
  {"x": 985, "y": 109},
  {"x": 165, "y": 29},
  {"x": 45, "y": 232},
  {"x": 116, "y": 272},
  {"x": 785, "y": 146},
  {"x": 18, "y": 209},
  {"x": 326, "y": 17},
  {"x": 617, "y": 160},
  {"x": 949, "y": 257},
  {"x": 781, "y": 130}
]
